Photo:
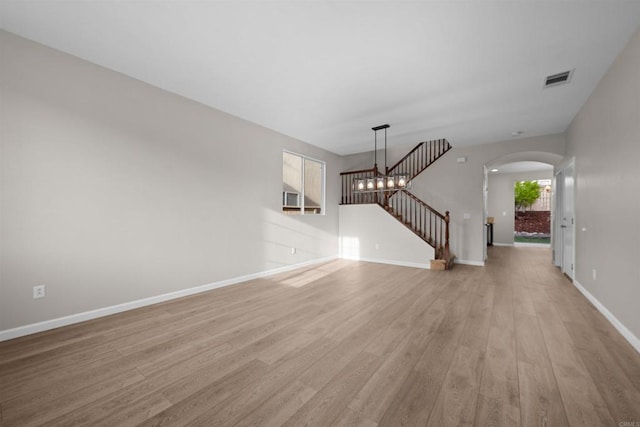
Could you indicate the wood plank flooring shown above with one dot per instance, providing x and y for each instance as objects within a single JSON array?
[{"x": 341, "y": 344}]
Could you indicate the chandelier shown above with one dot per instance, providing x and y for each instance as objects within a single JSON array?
[{"x": 381, "y": 182}]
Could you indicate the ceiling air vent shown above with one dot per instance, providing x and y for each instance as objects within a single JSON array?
[{"x": 558, "y": 79}]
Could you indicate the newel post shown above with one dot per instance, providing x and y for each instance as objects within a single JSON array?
[{"x": 446, "y": 236}]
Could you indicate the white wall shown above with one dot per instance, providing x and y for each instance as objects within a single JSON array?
[
  {"x": 457, "y": 187},
  {"x": 369, "y": 233},
  {"x": 604, "y": 138},
  {"x": 113, "y": 190},
  {"x": 501, "y": 201}
]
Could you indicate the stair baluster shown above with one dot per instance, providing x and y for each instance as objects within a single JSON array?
[
  {"x": 426, "y": 222},
  {"x": 420, "y": 157}
]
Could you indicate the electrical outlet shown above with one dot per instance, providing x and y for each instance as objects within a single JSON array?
[
  {"x": 377, "y": 246},
  {"x": 293, "y": 251},
  {"x": 38, "y": 292},
  {"x": 594, "y": 274}
]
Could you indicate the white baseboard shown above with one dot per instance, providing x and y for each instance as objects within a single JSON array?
[
  {"x": 502, "y": 244},
  {"x": 532, "y": 245},
  {"x": 626, "y": 333},
  {"x": 467, "y": 262},
  {"x": 392, "y": 262},
  {"x": 413, "y": 264},
  {"x": 119, "y": 308}
]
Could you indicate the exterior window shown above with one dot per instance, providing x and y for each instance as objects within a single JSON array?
[{"x": 302, "y": 185}]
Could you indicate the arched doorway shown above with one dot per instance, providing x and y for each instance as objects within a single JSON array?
[
  {"x": 516, "y": 215},
  {"x": 512, "y": 167}
]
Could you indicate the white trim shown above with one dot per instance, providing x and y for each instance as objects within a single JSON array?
[
  {"x": 119, "y": 308},
  {"x": 323, "y": 203},
  {"x": 531, "y": 245},
  {"x": 558, "y": 210},
  {"x": 392, "y": 262},
  {"x": 502, "y": 244},
  {"x": 467, "y": 262},
  {"x": 413, "y": 264},
  {"x": 560, "y": 166},
  {"x": 485, "y": 211},
  {"x": 633, "y": 340}
]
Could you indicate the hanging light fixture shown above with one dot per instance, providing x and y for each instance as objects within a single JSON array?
[
  {"x": 370, "y": 184},
  {"x": 381, "y": 182}
]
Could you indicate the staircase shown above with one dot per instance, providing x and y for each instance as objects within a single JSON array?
[
  {"x": 423, "y": 220},
  {"x": 420, "y": 158}
]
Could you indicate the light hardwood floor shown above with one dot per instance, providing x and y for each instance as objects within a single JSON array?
[{"x": 345, "y": 344}]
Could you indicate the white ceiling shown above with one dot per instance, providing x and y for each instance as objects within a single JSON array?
[{"x": 326, "y": 72}]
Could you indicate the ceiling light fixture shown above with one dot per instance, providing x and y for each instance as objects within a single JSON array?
[
  {"x": 381, "y": 182},
  {"x": 494, "y": 170},
  {"x": 517, "y": 133}
]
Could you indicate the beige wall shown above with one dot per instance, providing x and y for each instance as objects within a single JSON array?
[
  {"x": 369, "y": 233},
  {"x": 604, "y": 138},
  {"x": 113, "y": 190},
  {"x": 501, "y": 200},
  {"x": 458, "y": 187},
  {"x": 108, "y": 189}
]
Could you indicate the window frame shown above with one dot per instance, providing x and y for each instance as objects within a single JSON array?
[{"x": 323, "y": 184}]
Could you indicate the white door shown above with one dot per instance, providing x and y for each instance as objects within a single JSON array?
[
  {"x": 567, "y": 220},
  {"x": 556, "y": 219},
  {"x": 485, "y": 210}
]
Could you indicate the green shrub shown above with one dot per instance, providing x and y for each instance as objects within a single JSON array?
[{"x": 526, "y": 194}]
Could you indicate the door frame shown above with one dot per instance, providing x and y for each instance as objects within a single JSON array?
[
  {"x": 564, "y": 222},
  {"x": 485, "y": 211}
]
